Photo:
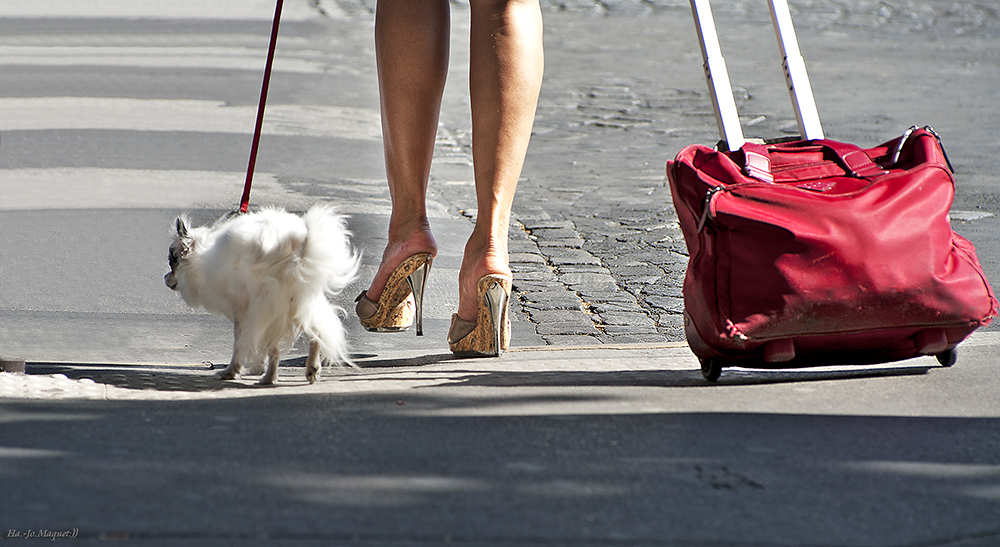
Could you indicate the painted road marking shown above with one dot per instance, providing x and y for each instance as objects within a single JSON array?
[{"x": 126, "y": 114}]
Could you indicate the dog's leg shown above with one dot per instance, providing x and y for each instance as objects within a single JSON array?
[
  {"x": 272, "y": 368},
  {"x": 232, "y": 372},
  {"x": 314, "y": 363}
]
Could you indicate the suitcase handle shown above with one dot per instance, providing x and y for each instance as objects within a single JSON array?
[
  {"x": 854, "y": 160},
  {"x": 799, "y": 88},
  {"x": 721, "y": 89}
]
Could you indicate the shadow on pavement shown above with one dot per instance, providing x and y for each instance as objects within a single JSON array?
[
  {"x": 360, "y": 467},
  {"x": 425, "y": 370}
]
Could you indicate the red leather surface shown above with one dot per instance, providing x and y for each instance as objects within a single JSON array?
[{"x": 840, "y": 247}]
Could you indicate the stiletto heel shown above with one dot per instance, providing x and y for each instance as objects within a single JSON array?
[
  {"x": 417, "y": 281},
  {"x": 496, "y": 300},
  {"x": 489, "y": 335},
  {"x": 394, "y": 310}
]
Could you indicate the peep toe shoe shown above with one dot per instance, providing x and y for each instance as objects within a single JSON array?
[
  {"x": 489, "y": 335},
  {"x": 402, "y": 300}
]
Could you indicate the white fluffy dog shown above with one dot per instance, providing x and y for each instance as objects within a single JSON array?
[{"x": 270, "y": 273}]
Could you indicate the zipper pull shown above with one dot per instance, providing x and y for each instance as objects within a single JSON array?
[{"x": 706, "y": 207}]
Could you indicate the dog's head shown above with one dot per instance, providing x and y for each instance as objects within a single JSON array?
[{"x": 180, "y": 248}]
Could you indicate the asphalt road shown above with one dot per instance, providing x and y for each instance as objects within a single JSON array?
[{"x": 598, "y": 429}]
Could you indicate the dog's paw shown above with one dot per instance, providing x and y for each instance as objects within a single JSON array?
[
  {"x": 265, "y": 381},
  {"x": 227, "y": 374},
  {"x": 312, "y": 376}
]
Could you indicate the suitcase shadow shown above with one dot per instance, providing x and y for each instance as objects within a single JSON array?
[
  {"x": 676, "y": 378},
  {"x": 746, "y": 376}
]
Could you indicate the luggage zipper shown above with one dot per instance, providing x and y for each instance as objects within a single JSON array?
[{"x": 706, "y": 207}]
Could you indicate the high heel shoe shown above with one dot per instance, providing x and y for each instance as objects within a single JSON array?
[
  {"x": 394, "y": 310},
  {"x": 489, "y": 335}
]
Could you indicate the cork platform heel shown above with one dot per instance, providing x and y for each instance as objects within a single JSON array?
[
  {"x": 402, "y": 300},
  {"x": 489, "y": 335}
]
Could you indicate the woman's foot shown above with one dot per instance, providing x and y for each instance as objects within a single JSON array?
[
  {"x": 489, "y": 334},
  {"x": 402, "y": 299},
  {"x": 417, "y": 241},
  {"x": 394, "y": 300},
  {"x": 480, "y": 260}
]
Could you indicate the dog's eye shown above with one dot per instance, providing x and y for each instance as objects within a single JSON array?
[{"x": 172, "y": 259}]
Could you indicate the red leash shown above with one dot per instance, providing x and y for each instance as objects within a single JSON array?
[{"x": 245, "y": 201}]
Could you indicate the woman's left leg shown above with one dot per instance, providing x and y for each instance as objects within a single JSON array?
[{"x": 505, "y": 76}]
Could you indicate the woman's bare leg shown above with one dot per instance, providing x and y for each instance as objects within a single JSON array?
[
  {"x": 505, "y": 76},
  {"x": 412, "y": 47}
]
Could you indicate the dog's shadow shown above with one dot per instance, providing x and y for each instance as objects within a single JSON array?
[
  {"x": 145, "y": 377},
  {"x": 363, "y": 361},
  {"x": 202, "y": 378}
]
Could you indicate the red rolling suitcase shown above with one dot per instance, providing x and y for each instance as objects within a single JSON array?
[{"x": 817, "y": 251}]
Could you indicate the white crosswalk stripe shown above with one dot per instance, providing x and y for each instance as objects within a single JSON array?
[
  {"x": 185, "y": 115},
  {"x": 58, "y": 188},
  {"x": 250, "y": 10},
  {"x": 223, "y": 58},
  {"x": 108, "y": 186}
]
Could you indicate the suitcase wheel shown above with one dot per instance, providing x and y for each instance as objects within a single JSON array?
[
  {"x": 711, "y": 369},
  {"x": 947, "y": 357}
]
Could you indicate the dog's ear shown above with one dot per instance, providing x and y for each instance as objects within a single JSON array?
[
  {"x": 182, "y": 229},
  {"x": 184, "y": 241}
]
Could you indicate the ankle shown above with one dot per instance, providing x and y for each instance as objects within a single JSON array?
[
  {"x": 478, "y": 262},
  {"x": 395, "y": 253}
]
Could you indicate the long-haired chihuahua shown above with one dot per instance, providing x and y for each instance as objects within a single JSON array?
[{"x": 272, "y": 274}]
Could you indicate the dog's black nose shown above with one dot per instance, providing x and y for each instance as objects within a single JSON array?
[{"x": 171, "y": 281}]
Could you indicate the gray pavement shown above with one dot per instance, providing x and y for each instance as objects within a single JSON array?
[{"x": 597, "y": 428}]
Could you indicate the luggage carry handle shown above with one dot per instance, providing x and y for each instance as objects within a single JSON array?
[
  {"x": 720, "y": 87},
  {"x": 852, "y": 159}
]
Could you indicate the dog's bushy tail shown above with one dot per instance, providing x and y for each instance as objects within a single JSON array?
[{"x": 328, "y": 264}]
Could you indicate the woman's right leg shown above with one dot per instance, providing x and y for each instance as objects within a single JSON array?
[{"x": 411, "y": 47}]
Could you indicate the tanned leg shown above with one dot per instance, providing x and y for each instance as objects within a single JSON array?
[
  {"x": 412, "y": 46},
  {"x": 505, "y": 78}
]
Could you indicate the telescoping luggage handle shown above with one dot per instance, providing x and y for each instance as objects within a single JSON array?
[{"x": 721, "y": 89}]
